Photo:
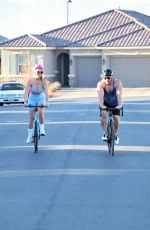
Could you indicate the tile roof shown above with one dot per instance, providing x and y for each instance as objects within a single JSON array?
[
  {"x": 23, "y": 41},
  {"x": 144, "y": 19},
  {"x": 114, "y": 28}
]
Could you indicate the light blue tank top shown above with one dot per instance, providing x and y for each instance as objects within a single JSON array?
[{"x": 37, "y": 91}]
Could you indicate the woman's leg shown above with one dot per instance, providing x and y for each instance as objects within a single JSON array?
[
  {"x": 31, "y": 118},
  {"x": 30, "y": 126},
  {"x": 42, "y": 119},
  {"x": 41, "y": 115}
]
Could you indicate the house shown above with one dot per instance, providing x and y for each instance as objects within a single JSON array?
[
  {"x": 76, "y": 54},
  {"x": 2, "y": 39}
]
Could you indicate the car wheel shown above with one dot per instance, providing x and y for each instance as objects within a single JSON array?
[{"x": 1, "y": 104}]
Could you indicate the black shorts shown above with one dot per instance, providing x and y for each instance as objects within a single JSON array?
[{"x": 115, "y": 111}]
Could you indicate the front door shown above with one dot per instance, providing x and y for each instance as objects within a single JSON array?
[{"x": 63, "y": 69}]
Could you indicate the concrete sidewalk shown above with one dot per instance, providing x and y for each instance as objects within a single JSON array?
[{"x": 136, "y": 94}]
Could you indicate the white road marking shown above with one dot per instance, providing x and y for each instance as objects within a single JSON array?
[
  {"x": 83, "y": 147},
  {"x": 73, "y": 172},
  {"x": 76, "y": 122},
  {"x": 75, "y": 110}
]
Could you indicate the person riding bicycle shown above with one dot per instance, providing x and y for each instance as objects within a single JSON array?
[
  {"x": 36, "y": 93},
  {"x": 109, "y": 91}
]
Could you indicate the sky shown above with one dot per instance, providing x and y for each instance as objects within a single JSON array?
[{"x": 20, "y": 17}]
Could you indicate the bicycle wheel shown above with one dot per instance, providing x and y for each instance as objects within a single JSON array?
[
  {"x": 112, "y": 137},
  {"x": 109, "y": 137},
  {"x": 36, "y": 138}
]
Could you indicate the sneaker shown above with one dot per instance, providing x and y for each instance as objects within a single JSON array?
[
  {"x": 42, "y": 132},
  {"x": 30, "y": 134},
  {"x": 29, "y": 140},
  {"x": 104, "y": 137},
  {"x": 117, "y": 140}
]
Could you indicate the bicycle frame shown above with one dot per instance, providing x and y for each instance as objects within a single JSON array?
[
  {"x": 110, "y": 131},
  {"x": 36, "y": 130},
  {"x": 36, "y": 126}
]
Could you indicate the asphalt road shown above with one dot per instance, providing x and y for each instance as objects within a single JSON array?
[{"x": 73, "y": 183}]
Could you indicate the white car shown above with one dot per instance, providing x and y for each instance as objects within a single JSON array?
[{"x": 11, "y": 92}]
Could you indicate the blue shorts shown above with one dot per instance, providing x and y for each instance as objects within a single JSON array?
[{"x": 37, "y": 99}]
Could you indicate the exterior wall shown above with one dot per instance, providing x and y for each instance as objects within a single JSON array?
[
  {"x": 49, "y": 65},
  {"x": 45, "y": 57},
  {"x": 48, "y": 58}
]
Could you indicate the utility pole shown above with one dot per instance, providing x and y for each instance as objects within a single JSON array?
[{"x": 68, "y": 1}]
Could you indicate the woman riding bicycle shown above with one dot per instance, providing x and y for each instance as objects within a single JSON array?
[
  {"x": 110, "y": 96},
  {"x": 36, "y": 93}
]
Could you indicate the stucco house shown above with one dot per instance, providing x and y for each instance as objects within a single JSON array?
[
  {"x": 2, "y": 39},
  {"x": 77, "y": 54}
]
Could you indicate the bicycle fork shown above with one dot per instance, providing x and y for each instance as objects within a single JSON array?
[
  {"x": 110, "y": 136},
  {"x": 36, "y": 127}
]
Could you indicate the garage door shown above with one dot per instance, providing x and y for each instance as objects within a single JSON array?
[
  {"x": 133, "y": 71},
  {"x": 88, "y": 70}
]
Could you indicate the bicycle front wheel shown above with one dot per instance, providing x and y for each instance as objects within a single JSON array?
[
  {"x": 36, "y": 138},
  {"x": 111, "y": 137}
]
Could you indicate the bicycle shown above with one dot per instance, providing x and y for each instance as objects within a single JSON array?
[
  {"x": 110, "y": 130},
  {"x": 36, "y": 126}
]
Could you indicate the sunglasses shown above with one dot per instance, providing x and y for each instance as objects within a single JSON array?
[
  {"x": 107, "y": 78},
  {"x": 39, "y": 72}
]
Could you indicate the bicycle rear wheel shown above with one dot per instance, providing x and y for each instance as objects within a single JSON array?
[{"x": 36, "y": 138}]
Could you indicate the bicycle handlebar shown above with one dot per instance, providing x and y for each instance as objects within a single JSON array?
[
  {"x": 111, "y": 109},
  {"x": 36, "y": 106}
]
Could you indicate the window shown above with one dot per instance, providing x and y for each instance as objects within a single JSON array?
[
  {"x": 22, "y": 63},
  {"x": 13, "y": 86},
  {"x": 18, "y": 64}
]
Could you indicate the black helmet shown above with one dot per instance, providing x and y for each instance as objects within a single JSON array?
[{"x": 108, "y": 72}]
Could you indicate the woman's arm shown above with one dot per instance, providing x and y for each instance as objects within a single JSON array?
[
  {"x": 46, "y": 90},
  {"x": 26, "y": 93}
]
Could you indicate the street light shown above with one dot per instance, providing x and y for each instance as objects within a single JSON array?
[{"x": 68, "y": 1}]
